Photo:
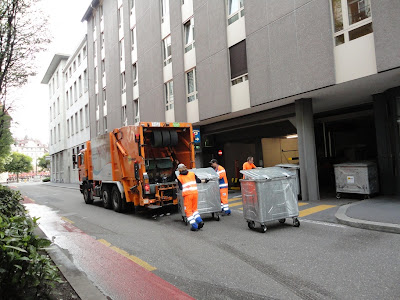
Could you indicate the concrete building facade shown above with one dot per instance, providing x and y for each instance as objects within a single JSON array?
[
  {"x": 251, "y": 73},
  {"x": 67, "y": 78}
]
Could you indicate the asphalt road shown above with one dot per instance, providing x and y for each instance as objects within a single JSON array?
[{"x": 226, "y": 260}]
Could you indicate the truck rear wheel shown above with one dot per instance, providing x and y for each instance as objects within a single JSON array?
[
  {"x": 116, "y": 199},
  {"x": 87, "y": 195},
  {"x": 106, "y": 197}
]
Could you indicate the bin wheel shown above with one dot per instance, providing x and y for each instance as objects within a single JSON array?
[
  {"x": 263, "y": 228},
  {"x": 338, "y": 196},
  {"x": 251, "y": 224},
  {"x": 296, "y": 222},
  {"x": 366, "y": 197},
  {"x": 213, "y": 215},
  {"x": 218, "y": 217},
  {"x": 282, "y": 221}
]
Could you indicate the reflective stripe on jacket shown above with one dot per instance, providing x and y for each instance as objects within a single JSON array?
[
  {"x": 188, "y": 182},
  {"x": 223, "y": 181}
]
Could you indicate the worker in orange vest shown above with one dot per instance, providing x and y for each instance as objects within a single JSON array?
[
  {"x": 249, "y": 164},
  {"x": 187, "y": 182},
  {"x": 223, "y": 186}
]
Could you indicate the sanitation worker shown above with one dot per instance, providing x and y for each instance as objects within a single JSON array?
[
  {"x": 249, "y": 164},
  {"x": 223, "y": 186},
  {"x": 187, "y": 182}
]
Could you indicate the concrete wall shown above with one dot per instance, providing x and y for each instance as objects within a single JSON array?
[
  {"x": 289, "y": 47},
  {"x": 386, "y": 24}
]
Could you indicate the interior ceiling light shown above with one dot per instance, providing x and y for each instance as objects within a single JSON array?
[{"x": 293, "y": 136}]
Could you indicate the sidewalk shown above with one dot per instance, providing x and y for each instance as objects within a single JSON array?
[{"x": 380, "y": 213}]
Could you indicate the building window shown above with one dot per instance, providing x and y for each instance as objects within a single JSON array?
[
  {"x": 70, "y": 72},
  {"x": 133, "y": 38},
  {"x": 84, "y": 52},
  {"x": 103, "y": 70},
  {"x": 120, "y": 16},
  {"x": 74, "y": 66},
  {"x": 169, "y": 95},
  {"x": 58, "y": 105},
  {"x": 352, "y": 19},
  {"x": 59, "y": 132},
  {"x": 95, "y": 76},
  {"x": 124, "y": 116},
  {"x": 76, "y": 123},
  {"x": 54, "y": 110},
  {"x": 102, "y": 41},
  {"x": 97, "y": 127},
  {"x": 50, "y": 114},
  {"x": 238, "y": 62},
  {"x": 79, "y": 60},
  {"x": 164, "y": 10},
  {"x": 57, "y": 80},
  {"x": 70, "y": 96},
  {"x": 50, "y": 94},
  {"x": 167, "y": 50},
  {"x": 105, "y": 97},
  {"x": 191, "y": 85},
  {"x": 134, "y": 75},
  {"x": 81, "y": 118},
  {"x": 96, "y": 101},
  {"x": 121, "y": 49},
  {"x": 136, "y": 110},
  {"x": 235, "y": 10},
  {"x": 123, "y": 83},
  {"x": 94, "y": 49},
  {"x": 75, "y": 92},
  {"x": 80, "y": 86},
  {"x": 189, "y": 35},
  {"x": 72, "y": 125},
  {"x": 105, "y": 124},
  {"x": 87, "y": 115},
  {"x": 68, "y": 131},
  {"x": 101, "y": 12},
  {"x": 51, "y": 137},
  {"x": 85, "y": 80},
  {"x": 67, "y": 99},
  {"x": 131, "y": 5}
]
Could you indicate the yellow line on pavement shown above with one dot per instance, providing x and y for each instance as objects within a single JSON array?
[
  {"x": 314, "y": 210},
  {"x": 133, "y": 258},
  {"x": 234, "y": 199},
  {"x": 236, "y": 204},
  {"x": 240, "y": 208},
  {"x": 302, "y": 203},
  {"x": 67, "y": 220}
]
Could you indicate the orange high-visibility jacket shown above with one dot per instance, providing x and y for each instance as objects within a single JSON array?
[
  {"x": 223, "y": 181},
  {"x": 248, "y": 166},
  {"x": 189, "y": 186}
]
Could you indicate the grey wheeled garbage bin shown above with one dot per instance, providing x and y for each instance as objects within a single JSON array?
[
  {"x": 269, "y": 194},
  {"x": 209, "y": 197},
  {"x": 295, "y": 169},
  {"x": 356, "y": 178}
]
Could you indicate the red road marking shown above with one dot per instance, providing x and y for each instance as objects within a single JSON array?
[{"x": 27, "y": 200}]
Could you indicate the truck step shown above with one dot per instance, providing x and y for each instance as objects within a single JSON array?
[{"x": 152, "y": 206}]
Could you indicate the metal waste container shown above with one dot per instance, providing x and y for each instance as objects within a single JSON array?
[
  {"x": 209, "y": 197},
  {"x": 356, "y": 178},
  {"x": 269, "y": 194},
  {"x": 296, "y": 170}
]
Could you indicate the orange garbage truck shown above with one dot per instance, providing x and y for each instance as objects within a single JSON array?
[{"x": 135, "y": 165}]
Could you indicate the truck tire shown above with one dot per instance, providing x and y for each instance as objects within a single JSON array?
[
  {"x": 116, "y": 199},
  {"x": 106, "y": 197},
  {"x": 166, "y": 138},
  {"x": 157, "y": 139},
  {"x": 174, "y": 138},
  {"x": 87, "y": 195}
]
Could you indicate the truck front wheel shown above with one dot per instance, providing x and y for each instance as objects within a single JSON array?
[
  {"x": 116, "y": 199},
  {"x": 106, "y": 195},
  {"x": 87, "y": 195}
]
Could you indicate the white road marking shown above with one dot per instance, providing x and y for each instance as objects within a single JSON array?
[{"x": 324, "y": 223}]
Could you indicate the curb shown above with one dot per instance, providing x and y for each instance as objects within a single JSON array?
[
  {"x": 364, "y": 224},
  {"x": 76, "y": 278}
]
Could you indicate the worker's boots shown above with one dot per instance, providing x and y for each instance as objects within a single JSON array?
[
  {"x": 227, "y": 212},
  {"x": 194, "y": 227}
]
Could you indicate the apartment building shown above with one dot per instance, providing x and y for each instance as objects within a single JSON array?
[
  {"x": 315, "y": 82},
  {"x": 67, "y": 78},
  {"x": 32, "y": 148}
]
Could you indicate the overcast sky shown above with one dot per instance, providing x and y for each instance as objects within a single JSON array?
[{"x": 31, "y": 103}]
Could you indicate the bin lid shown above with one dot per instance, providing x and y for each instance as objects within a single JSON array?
[
  {"x": 288, "y": 166},
  {"x": 266, "y": 173},
  {"x": 203, "y": 173},
  {"x": 356, "y": 164}
]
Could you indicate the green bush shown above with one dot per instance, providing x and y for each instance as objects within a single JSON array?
[
  {"x": 46, "y": 179},
  {"x": 25, "y": 269}
]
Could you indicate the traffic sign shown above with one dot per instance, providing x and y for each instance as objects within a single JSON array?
[{"x": 196, "y": 135}]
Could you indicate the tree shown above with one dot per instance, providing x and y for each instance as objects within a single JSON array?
[
  {"x": 19, "y": 163},
  {"x": 42, "y": 162},
  {"x": 23, "y": 34}
]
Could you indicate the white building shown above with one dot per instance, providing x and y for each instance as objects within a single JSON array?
[
  {"x": 69, "y": 112},
  {"x": 77, "y": 108},
  {"x": 32, "y": 148}
]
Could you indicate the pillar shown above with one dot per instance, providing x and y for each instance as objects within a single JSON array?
[{"x": 307, "y": 151}]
